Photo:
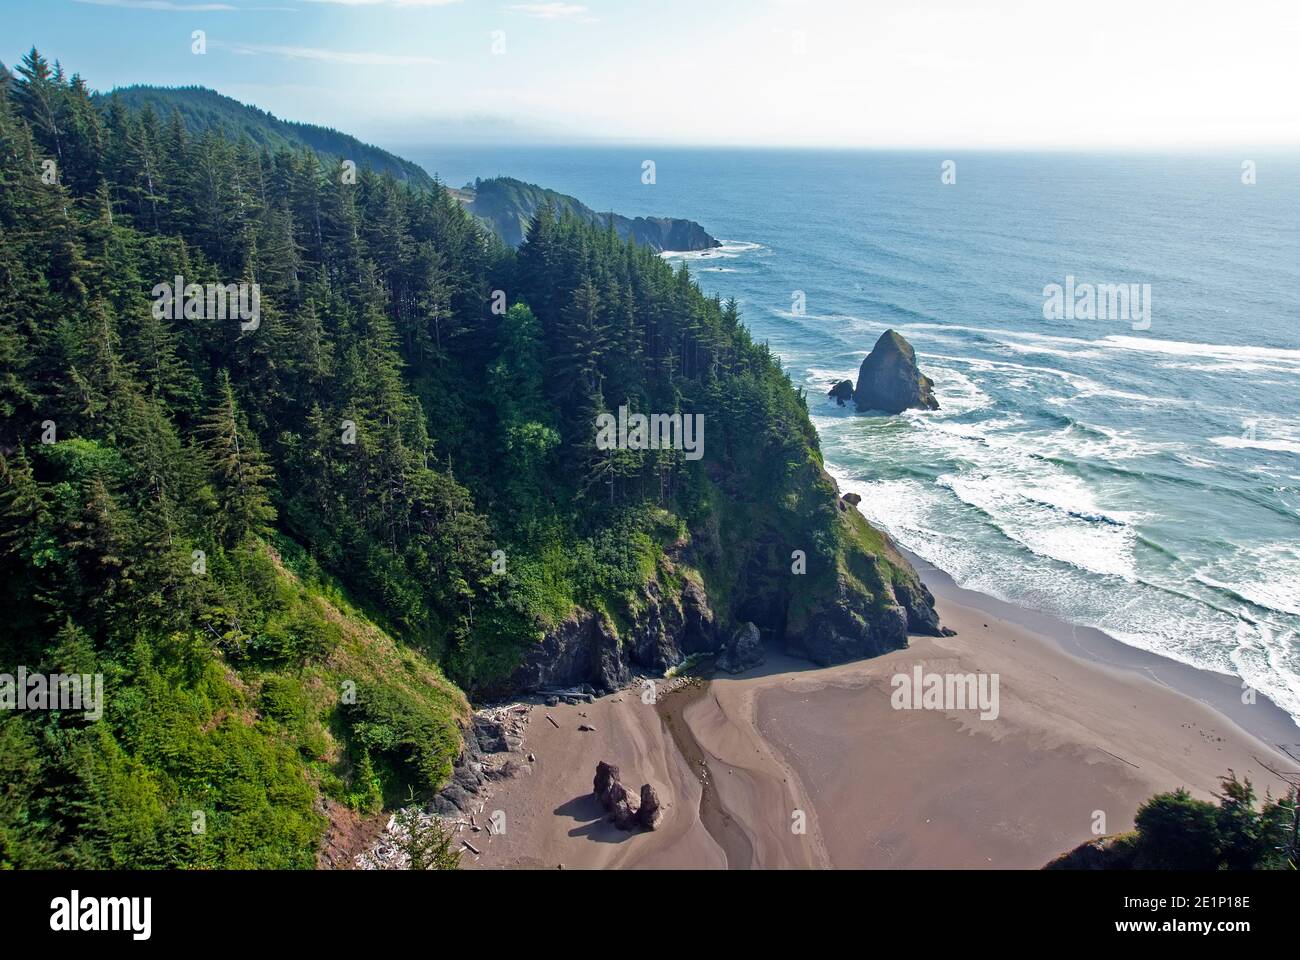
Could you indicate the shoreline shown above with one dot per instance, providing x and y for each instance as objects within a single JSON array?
[{"x": 1263, "y": 720}]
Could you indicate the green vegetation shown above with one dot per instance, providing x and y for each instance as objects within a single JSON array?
[
  {"x": 201, "y": 110},
  {"x": 507, "y": 206},
  {"x": 427, "y": 845},
  {"x": 272, "y": 542},
  {"x": 1175, "y": 831}
]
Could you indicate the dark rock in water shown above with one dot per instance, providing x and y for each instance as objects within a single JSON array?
[
  {"x": 745, "y": 650},
  {"x": 889, "y": 379},
  {"x": 650, "y": 813},
  {"x": 852, "y": 499},
  {"x": 842, "y": 392},
  {"x": 665, "y": 233}
]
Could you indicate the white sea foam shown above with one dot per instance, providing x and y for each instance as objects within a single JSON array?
[
  {"x": 1229, "y": 356},
  {"x": 1004, "y": 512},
  {"x": 1054, "y": 518},
  {"x": 1267, "y": 658},
  {"x": 729, "y": 250},
  {"x": 916, "y": 514},
  {"x": 1227, "y": 352},
  {"x": 1277, "y": 444},
  {"x": 958, "y": 394},
  {"x": 1267, "y": 575}
]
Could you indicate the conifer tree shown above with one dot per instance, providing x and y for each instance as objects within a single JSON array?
[{"x": 240, "y": 473}]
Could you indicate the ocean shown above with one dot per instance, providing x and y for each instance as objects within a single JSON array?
[{"x": 1136, "y": 474}]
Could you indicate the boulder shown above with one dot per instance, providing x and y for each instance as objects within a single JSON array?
[
  {"x": 606, "y": 786},
  {"x": 650, "y": 813},
  {"x": 743, "y": 651},
  {"x": 890, "y": 381},
  {"x": 852, "y": 499},
  {"x": 842, "y": 392},
  {"x": 614, "y": 798}
]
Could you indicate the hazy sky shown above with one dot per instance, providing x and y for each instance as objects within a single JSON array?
[{"x": 932, "y": 73}]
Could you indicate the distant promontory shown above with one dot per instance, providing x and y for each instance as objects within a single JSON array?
[{"x": 506, "y": 206}]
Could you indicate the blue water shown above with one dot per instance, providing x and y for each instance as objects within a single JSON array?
[{"x": 1142, "y": 481}]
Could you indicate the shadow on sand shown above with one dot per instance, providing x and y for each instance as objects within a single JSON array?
[{"x": 592, "y": 819}]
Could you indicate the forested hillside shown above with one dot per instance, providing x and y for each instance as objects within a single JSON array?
[
  {"x": 202, "y": 110},
  {"x": 288, "y": 545}
]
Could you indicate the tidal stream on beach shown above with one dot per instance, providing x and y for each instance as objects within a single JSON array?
[{"x": 729, "y": 834}]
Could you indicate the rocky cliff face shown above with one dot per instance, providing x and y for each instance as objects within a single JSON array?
[
  {"x": 867, "y": 607},
  {"x": 665, "y": 628},
  {"x": 861, "y": 601},
  {"x": 889, "y": 379},
  {"x": 584, "y": 649}
]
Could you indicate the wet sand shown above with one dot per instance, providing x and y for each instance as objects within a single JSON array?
[
  {"x": 551, "y": 818},
  {"x": 793, "y": 766}
]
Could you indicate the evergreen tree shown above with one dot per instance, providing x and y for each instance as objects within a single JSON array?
[{"x": 240, "y": 473}]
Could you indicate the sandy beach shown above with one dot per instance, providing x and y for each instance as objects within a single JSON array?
[{"x": 794, "y": 766}]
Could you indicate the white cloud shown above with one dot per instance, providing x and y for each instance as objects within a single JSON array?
[
  {"x": 160, "y": 5},
  {"x": 317, "y": 53},
  {"x": 550, "y": 11},
  {"x": 389, "y": 3}
]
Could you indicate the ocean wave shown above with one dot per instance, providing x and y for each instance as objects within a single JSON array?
[
  {"x": 1266, "y": 576},
  {"x": 959, "y": 394},
  {"x": 1267, "y": 658},
  {"x": 1046, "y": 520},
  {"x": 729, "y": 250},
  {"x": 1157, "y": 617},
  {"x": 1270, "y": 499},
  {"x": 1214, "y": 351},
  {"x": 1276, "y": 445},
  {"x": 1227, "y": 355},
  {"x": 1086, "y": 389}
]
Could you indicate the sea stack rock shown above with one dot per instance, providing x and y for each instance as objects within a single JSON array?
[
  {"x": 842, "y": 392},
  {"x": 889, "y": 379}
]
